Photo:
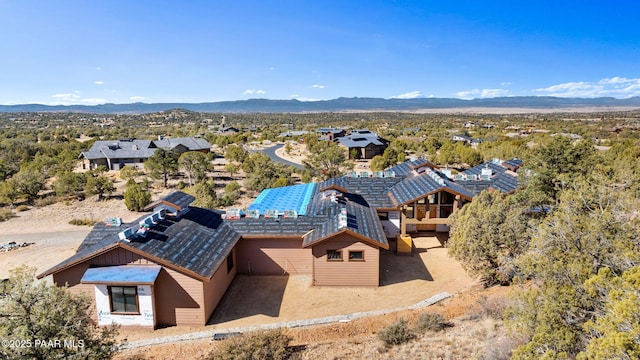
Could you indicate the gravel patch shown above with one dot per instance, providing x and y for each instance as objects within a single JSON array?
[{"x": 220, "y": 333}]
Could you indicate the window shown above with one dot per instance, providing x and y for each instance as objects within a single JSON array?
[
  {"x": 447, "y": 198},
  {"x": 334, "y": 255},
  {"x": 408, "y": 212},
  {"x": 357, "y": 255},
  {"x": 383, "y": 216},
  {"x": 124, "y": 299},
  {"x": 230, "y": 262}
]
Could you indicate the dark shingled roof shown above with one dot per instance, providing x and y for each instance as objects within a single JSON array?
[
  {"x": 362, "y": 220},
  {"x": 180, "y": 199},
  {"x": 120, "y": 149},
  {"x": 198, "y": 242},
  {"x": 191, "y": 143},
  {"x": 502, "y": 179},
  {"x": 406, "y": 168},
  {"x": 373, "y": 190},
  {"x": 415, "y": 187},
  {"x": 320, "y": 224}
]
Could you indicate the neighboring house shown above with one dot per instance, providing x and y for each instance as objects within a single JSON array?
[
  {"x": 474, "y": 142},
  {"x": 227, "y": 130},
  {"x": 173, "y": 265},
  {"x": 184, "y": 144},
  {"x": 364, "y": 144},
  {"x": 330, "y": 133},
  {"x": 293, "y": 133},
  {"x": 114, "y": 154}
]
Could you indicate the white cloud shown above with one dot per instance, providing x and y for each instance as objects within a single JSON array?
[
  {"x": 616, "y": 80},
  {"x": 494, "y": 93},
  {"x": 505, "y": 84},
  {"x": 318, "y": 86},
  {"x": 409, "y": 95},
  {"x": 98, "y": 82},
  {"x": 619, "y": 87},
  {"x": 469, "y": 94},
  {"x": 299, "y": 98},
  {"x": 137, "y": 98},
  {"x": 66, "y": 97},
  {"x": 93, "y": 101},
  {"x": 70, "y": 99},
  {"x": 254, "y": 91},
  {"x": 484, "y": 93}
]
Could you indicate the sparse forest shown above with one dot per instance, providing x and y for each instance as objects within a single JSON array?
[{"x": 569, "y": 240}]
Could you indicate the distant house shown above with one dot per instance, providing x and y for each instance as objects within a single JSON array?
[
  {"x": 330, "y": 133},
  {"x": 114, "y": 154},
  {"x": 364, "y": 143},
  {"x": 227, "y": 130},
  {"x": 293, "y": 133},
  {"x": 173, "y": 265},
  {"x": 474, "y": 142},
  {"x": 463, "y": 138},
  {"x": 184, "y": 144}
]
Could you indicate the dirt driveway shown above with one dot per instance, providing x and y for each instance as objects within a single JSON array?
[{"x": 405, "y": 280}]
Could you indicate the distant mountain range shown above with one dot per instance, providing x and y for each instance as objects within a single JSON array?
[{"x": 335, "y": 105}]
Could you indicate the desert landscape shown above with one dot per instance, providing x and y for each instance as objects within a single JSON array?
[{"x": 253, "y": 301}]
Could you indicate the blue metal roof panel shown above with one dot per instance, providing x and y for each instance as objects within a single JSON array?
[
  {"x": 130, "y": 274},
  {"x": 294, "y": 197}
]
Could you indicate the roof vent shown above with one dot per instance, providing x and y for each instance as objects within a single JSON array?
[
  {"x": 486, "y": 173},
  {"x": 253, "y": 214},
  {"x": 290, "y": 214},
  {"x": 127, "y": 235},
  {"x": 434, "y": 176},
  {"x": 271, "y": 214},
  {"x": 342, "y": 218},
  {"x": 113, "y": 221},
  {"x": 233, "y": 214}
]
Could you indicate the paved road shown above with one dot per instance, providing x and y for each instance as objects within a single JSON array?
[{"x": 271, "y": 153}]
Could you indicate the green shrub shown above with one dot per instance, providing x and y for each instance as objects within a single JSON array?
[
  {"x": 430, "y": 322},
  {"x": 396, "y": 333},
  {"x": 232, "y": 186},
  {"x": 136, "y": 196},
  {"x": 5, "y": 214},
  {"x": 263, "y": 345},
  {"x": 86, "y": 222},
  {"x": 21, "y": 208}
]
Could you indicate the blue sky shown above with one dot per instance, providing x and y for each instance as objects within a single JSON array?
[{"x": 99, "y": 51}]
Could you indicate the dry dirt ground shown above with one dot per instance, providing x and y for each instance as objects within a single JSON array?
[{"x": 254, "y": 300}]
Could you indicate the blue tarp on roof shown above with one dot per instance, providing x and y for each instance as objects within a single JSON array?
[
  {"x": 295, "y": 197},
  {"x": 129, "y": 274}
]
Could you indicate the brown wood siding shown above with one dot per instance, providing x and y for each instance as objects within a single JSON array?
[
  {"x": 345, "y": 272},
  {"x": 71, "y": 277},
  {"x": 273, "y": 256},
  {"x": 215, "y": 289},
  {"x": 119, "y": 256},
  {"x": 179, "y": 299}
]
